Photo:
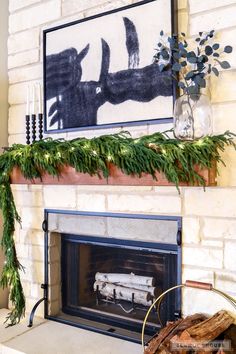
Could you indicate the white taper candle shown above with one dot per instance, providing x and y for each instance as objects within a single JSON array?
[
  {"x": 28, "y": 101},
  {"x": 33, "y": 100}
]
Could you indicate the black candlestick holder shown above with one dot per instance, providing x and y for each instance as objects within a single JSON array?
[
  {"x": 40, "y": 117},
  {"x": 27, "y": 123},
  {"x": 33, "y": 120}
]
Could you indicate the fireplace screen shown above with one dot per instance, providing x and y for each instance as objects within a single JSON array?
[{"x": 105, "y": 270}]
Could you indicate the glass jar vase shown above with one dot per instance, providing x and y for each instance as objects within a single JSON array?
[{"x": 192, "y": 117}]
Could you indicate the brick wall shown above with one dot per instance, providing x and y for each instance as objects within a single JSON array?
[{"x": 209, "y": 223}]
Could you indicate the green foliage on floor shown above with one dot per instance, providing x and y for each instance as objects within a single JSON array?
[{"x": 148, "y": 154}]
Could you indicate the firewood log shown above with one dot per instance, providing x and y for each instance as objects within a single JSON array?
[
  {"x": 230, "y": 335},
  {"x": 122, "y": 293},
  {"x": 162, "y": 345},
  {"x": 207, "y": 330},
  {"x": 125, "y": 278}
]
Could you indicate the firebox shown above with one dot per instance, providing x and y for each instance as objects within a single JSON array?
[{"x": 104, "y": 270}]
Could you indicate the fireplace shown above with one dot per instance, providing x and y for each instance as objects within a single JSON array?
[{"x": 104, "y": 270}]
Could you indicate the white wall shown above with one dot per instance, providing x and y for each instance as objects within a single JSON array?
[{"x": 3, "y": 102}]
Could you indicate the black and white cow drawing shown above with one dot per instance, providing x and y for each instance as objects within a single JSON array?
[{"x": 76, "y": 102}]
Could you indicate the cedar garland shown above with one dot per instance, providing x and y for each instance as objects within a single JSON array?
[{"x": 148, "y": 154}]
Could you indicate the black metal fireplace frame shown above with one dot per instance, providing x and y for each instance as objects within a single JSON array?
[{"x": 172, "y": 248}]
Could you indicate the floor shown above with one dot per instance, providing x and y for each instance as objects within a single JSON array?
[{"x": 48, "y": 337}]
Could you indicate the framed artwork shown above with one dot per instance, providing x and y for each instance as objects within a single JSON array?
[{"x": 99, "y": 71}]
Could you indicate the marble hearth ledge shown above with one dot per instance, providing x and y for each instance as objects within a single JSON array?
[{"x": 68, "y": 176}]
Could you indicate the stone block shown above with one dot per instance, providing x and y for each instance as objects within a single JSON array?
[
  {"x": 59, "y": 196},
  {"x": 106, "y": 189},
  {"x": 55, "y": 293},
  {"x": 197, "y": 274},
  {"x": 35, "y": 291},
  {"x": 212, "y": 243},
  {"x": 26, "y": 288},
  {"x": 18, "y": 92},
  {"x": 31, "y": 237},
  {"x": 191, "y": 230},
  {"x": 33, "y": 271},
  {"x": 219, "y": 202},
  {"x": 28, "y": 199},
  {"x": 220, "y": 111},
  {"x": 219, "y": 228},
  {"x": 202, "y": 256},
  {"x": 83, "y": 225},
  {"x": 32, "y": 218},
  {"x": 36, "y": 253},
  {"x": 225, "y": 281},
  {"x": 16, "y": 139},
  {"x": 22, "y": 41},
  {"x": 195, "y": 301},
  {"x": 229, "y": 255},
  {"x": 91, "y": 202},
  {"x": 54, "y": 307},
  {"x": 216, "y": 19},
  {"x": 54, "y": 254},
  {"x": 145, "y": 203},
  {"x": 183, "y": 22},
  {"x": 223, "y": 87},
  {"x": 35, "y": 16},
  {"x": 162, "y": 231},
  {"x": 107, "y": 6},
  {"x": 203, "y": 6},
  {"x": 19, "y": 4},
  {"x": 69, "y": 7},
  {"x": 182, "y": 4},
  {"x": 24, "y": 74},
  {"x": 24, "y": 58},
  {"x": 22, "y": 251},
  {"x": 227, "y": 175},
  {"x": 16, "y": 122},
  {"x": 54, "y": 273}
]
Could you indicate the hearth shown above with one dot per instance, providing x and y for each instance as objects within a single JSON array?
[{"x": 104, "y": 270}]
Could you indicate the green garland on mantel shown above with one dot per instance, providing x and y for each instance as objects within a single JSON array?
[{"x": 148, "y": 154}]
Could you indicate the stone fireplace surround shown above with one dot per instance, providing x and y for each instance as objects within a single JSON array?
[
  {"x": 74, "y": 239},
  {"x": 209, "y": 231}
]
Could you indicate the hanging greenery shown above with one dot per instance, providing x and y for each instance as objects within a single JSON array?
[{"x": 147, "y": 154}]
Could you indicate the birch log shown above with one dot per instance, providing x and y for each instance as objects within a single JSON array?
[
  {"x": 122, "y": 293},
  {"x": 150, "y": 289},
  {"x": 125, "y": 278}
]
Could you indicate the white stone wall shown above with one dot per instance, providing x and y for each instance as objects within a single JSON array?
[{"x": 209, "y": 217}]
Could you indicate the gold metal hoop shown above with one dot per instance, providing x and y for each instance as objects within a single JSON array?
[{"x": 187, "y": 284}]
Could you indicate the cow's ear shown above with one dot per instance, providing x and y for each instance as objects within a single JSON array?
[{"x": 83, "y": 53}]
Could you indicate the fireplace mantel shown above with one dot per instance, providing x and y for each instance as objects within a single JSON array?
[{"x": 69, "y": 176}]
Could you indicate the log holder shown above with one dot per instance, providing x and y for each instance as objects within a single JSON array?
[
  {"x": 187, "y": 284},
  {"x": 114, "y": 301}
]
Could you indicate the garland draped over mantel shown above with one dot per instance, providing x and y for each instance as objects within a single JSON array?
[{"x": 148, "y": 154}]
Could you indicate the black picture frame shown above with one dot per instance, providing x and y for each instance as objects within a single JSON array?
[{"x": 71, "y": 104}]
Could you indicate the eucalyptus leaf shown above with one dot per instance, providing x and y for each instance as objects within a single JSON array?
[
  {"x": 208, "y": 50},
  {"x": 228, "y": 49},
  {"x": 224, "y": 64},
  {"x": 176, "y": 67},
  {"x": 192, "y": 60},
  {"x": 215, "y": 71},
  {"x": 216, "y": 46}
]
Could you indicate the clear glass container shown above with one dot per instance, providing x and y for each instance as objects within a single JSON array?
[{"x": 192, "y": 117}]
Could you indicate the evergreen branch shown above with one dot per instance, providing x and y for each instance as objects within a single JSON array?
[{"x": 148, "y": 154}]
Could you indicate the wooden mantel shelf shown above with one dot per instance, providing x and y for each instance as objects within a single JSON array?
[{"x": 70, "y": 177}]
